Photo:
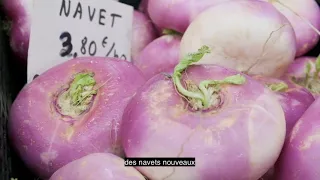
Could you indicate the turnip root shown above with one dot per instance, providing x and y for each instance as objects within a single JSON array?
[
  {"x": 304, "y": 71},
  {"x": 249, "y": 36},
  {"x": 97, "y": 166},
  {"x": 161, "y": 55},
  {"x": 231, "y": 121},
  {"x": 72, "y": 110},
  {"x": 300, "y": 14},
  {"x": 177, "y": 15},
  {"x": 300, "y": 157},
  {"x": 143, "y": 33},
  {"x": 19, "y": 12},
  {"x": 294, "y": 100}
]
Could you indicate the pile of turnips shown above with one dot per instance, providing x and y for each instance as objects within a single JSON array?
[{"x": 224, "y": 81}]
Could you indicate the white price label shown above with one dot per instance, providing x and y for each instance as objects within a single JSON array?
[{"x": 65, "y": 29}]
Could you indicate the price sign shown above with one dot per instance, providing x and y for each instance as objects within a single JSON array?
[{"x": 66, "y": 29}]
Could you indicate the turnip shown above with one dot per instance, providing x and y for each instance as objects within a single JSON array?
[
  {"x": 294, "y": 100},
  {"x": 97, "y": 166},
  {"x": 300, "y": 157},
  {"x": 143, "y": 6},
  {"x": 19, "y": 11},
  {"x": 229, "y": 121},
  {"x": 152, "y": 62},
  {"x": 249, "y": 36},
  {"x": 72, "y": 110},
  {"x": 177, "y": 15},
  {"x": 304, "y": 71},
  {"x": 143, "y": 33},
  {"x": 304, "y": 17}
]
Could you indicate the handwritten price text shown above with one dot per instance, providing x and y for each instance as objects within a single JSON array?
[{"x": 88, "y": 47}]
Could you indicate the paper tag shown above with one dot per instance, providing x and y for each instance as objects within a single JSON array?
[{"x": 64, "y": 29}]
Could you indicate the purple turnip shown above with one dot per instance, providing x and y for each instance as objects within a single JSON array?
[
  {"x": 72, "y": 110},
  {"x": 304, "y": 18},
  {"x": 249, "y": 36},
  {"x": 97, "y": 166},
  {"x": 161, "y": 55},
  {"x": 229, "y": 121},
  {"x": 143, "y": 6},
  {"x": 143, "y": 32},
  {"x": 304, "y": 71},
  {"x": 19, "y": 12},
  {"x": 177, "y": 15},
  {"x": 294, "y": 100},
  {"x": 300, "y": 157}
]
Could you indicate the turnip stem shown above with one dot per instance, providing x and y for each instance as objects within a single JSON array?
[
  {"x": 170, "y": 32},
  {"x": 204, "y": 95},
  {"x": 184, "y": 63},
  {"x": 317, "y": 67},
  {"x": 79, "y": 96},
  {"x": 308, "y": 70},
  {"x": 203, "y": 86},
  {"x": 185, "y": 92},
  {"x": 278, "y": 87},
  {"x": 77, "y": 87}
]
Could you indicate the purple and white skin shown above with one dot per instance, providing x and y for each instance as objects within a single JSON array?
[
  {"x": 250, "y": 36},
  {"x": 177, "y": 15},
  {"x": 161, "y": 55},
  {"x": 304, "y": 17},
  {"x": 19, "y": 12},
  {"x": 72, "y": 110},
  {"x": 229, "y": 121},
  {"x": 143, "y": 33},
  {"x": 97, "y": 166},
  {"x": 294, "y": 100},
  {"x": 300, "y": 157}
]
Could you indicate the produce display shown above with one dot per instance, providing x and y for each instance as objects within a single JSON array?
[{"x": 227, "y": 82}]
